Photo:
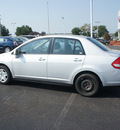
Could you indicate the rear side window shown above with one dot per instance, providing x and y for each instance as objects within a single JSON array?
[
  {"x": 78, "y": 50},
  {"x": 3, "y": 39},
  {"x": 67, "y": 47}
]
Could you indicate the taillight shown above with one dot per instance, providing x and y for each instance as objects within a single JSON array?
[
  {"x": 15, "y": 43},
  {"x": 116, "y": 63}
]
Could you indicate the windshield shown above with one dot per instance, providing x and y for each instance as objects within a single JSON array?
[
  {"x": 11, "y": 38},
  {"x": 100, "y": 45}
]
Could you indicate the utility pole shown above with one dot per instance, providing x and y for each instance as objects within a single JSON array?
[
  {"x": 13, "y": 29},
  {"x": 91, "y": 16}
]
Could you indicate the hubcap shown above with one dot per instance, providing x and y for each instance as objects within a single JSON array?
[
  {"x": 3, "y": 75},
  {"x": 7, "y": 49},
  {"x": 87, "y": 85}
]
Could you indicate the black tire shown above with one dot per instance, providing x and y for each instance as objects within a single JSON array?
[
  {"x": 5, "y": 75},
  {"x": 87, "y": 85}
]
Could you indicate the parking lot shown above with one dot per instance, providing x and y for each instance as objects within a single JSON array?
[{"x": 35, "y": 106}]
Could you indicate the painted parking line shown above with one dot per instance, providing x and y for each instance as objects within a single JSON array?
[{"x": 64, "y": 111}]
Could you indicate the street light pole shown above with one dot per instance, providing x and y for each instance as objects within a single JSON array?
[
  {"x": 48, "y": 18},
  {"x": 13, "y": 28},
  {"x": 64, "y": 24},
  {"x": 0, "y": 27},
  {"x": 91, "y": 16}
]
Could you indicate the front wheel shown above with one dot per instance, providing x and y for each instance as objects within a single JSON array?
[
  {"x": 87, "y": 84},
  {"x": 5, "y": 75}
]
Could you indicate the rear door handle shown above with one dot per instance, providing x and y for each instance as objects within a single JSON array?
[
  {"x": 41, "y": 59},
  {"x": 77, "y": 60}
]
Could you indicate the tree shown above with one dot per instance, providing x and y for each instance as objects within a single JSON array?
[
  {"x": 116, "y": 34},
  {"x": 85, "y": 29},
  {"x": 4, "y": 31},
  {"x": 24, "y": 30},
  {"x": 95, "y": 31},
  {"x": 76, "y": 31},
  {"x": 107, "y": 36},
  {"x": 95, "y": 28},
  {"x": 34, "y": 33},
  {"x": 43, "y": 33},
  {"x": 102, "y": 30}
]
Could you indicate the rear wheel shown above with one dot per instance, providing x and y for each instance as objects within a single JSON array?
[
  {"x": 7, "y": 49},
  {"x": 87, "y": 84},
  {"x": 5, "y": 75}
]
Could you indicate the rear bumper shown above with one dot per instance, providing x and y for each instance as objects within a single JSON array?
[
  {"x": 1, "y": 49},
  {"x": 113, "y": 82}
]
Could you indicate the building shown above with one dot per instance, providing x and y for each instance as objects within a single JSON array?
[{"x": 119, "y": 24}]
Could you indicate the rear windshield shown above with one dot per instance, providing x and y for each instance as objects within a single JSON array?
[{"x": 100, "y": 45}]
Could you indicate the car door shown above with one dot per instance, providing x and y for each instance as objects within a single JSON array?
[
  {"x": 66, "y": 60},
  {"x": 32, "y": 59}
]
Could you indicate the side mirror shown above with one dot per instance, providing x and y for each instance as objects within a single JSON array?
[{"x": 17, "y": 52}]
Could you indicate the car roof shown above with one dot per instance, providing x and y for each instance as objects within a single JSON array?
[
  {"x": 64, "y": 36},
  {"x": 59, "y": 36},
  {"x": 4, "y": 37}
]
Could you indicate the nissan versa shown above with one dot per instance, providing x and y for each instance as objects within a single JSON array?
[{"x": 79, "y": 61}]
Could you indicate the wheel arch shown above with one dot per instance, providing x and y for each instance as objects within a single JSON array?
[
  {"x": 7, "y": 68},
  {"x": 87, "y": 72}
]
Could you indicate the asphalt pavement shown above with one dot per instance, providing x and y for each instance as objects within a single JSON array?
[
  {"x": 35, "y": 106},
  {"x": 114, "y": 47}
]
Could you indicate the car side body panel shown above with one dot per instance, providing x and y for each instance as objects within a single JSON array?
[
  {"x": 60, "y": 68},
  {"x": 30, "y": 66}
]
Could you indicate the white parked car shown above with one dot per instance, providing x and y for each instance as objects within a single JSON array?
[{"x": 74, "y": 60}]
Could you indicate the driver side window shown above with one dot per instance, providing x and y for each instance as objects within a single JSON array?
[{"x": 39, "y": 46}]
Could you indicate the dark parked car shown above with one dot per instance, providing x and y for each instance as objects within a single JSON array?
[
  {"x": 18, "y": 40},
  {"x": 7, "y": 44},
  {"x": 29, "y": 36},
  {"x": 23, "y": 39},
  {"x": 103, "y": 41}
]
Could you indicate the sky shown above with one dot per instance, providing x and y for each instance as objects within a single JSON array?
[{"x": 76, "y": 13}]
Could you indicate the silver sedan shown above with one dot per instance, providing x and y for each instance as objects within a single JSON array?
[{"x": 79, "y": 61}]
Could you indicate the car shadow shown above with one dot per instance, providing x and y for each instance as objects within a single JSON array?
[
  {"x": 109, "y": 92},
  {"x": 53, "y": 87},
  {"x": 106, "y": 92}
]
